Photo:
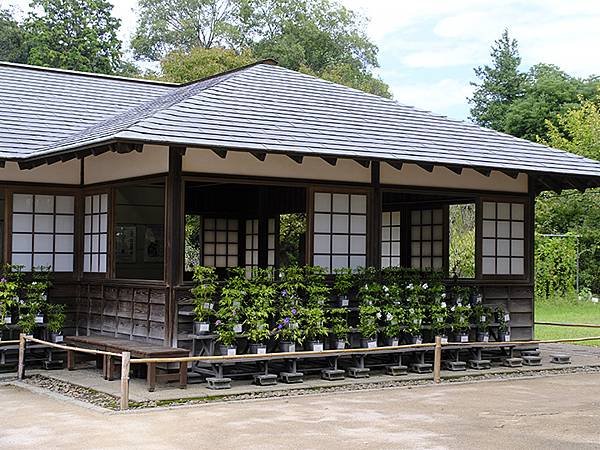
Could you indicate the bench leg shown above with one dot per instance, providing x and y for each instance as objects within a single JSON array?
[
  {"x": 183, "y": 375},
  {"x": 110, "y": 368},
  {"x": 151, "y": 377},
  {"x": 70, "y": 360}
]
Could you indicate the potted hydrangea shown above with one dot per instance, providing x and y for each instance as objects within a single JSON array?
[
  {"x": 259, "y": 310},
  {"x": 461, "y": 314},
  {"x": 338, "y": 324},
  {"x": 482, "y": 317},
  {"x": 342, "y": 286},
  {"x": 205, "y": 294},
  {"x": 56, "y": 321},
  {"x": 503, "y": 321}
]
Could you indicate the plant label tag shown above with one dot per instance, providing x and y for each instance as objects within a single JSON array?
[
  {"x": 507, "y": 317},
  {"x": 39, "y": 319},
  {"x": 58, "y": 338},
  {"x": 292, "y": 348},
  {"x": 261, "y": 351},
  {"x": 395, "y": 342},
  {"x": 204, "y": 327},
  {"x": 372, "y": 344},
  {"x": 419, "y": 341},
  {"x": 345, "y": 302},
  {"x": 8, "y": 320},
  {"x": 208, "y": 306},
  {"x": 231, "y": 352},
  {"x": 318, "y": 347},
  {"x": 483, "y": 318},
  {"x": 444, "y": 340},
  {"x": 464, "y": 338},
  {"x": 486, "y": 338},
  {"x": 479, "y": 298},
  {"x": 237, "y": 328},
  {"x": 507, "y": 337}
]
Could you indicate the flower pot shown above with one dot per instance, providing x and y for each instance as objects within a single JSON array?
[
  {"x": 201, "y": 327},
  {"x": 415, "y": 339},
  {"x": 227, "y": 350},
  {"x": 287, "y": 346},
  {"x": 368, "y": 342},
  {"x": 483, "y": 336},
  {"x": 504, "y": 336},
  {"x": 56, "y": 337},
  {"x": 343, "y": 301},
  {"x": 314, "y": 346},
  {"x": 340, "y": 344},
  {"x": 257, "y": 349},
  {"x": 461, "y": 336},
  {"x": 392, "y": 342}
]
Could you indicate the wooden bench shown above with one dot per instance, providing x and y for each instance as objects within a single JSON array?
[{"x": 137, "y": 350}]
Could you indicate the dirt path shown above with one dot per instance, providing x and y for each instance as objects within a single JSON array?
[{"x": 553, "y": 412}]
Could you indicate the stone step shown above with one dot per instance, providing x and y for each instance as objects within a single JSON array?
[
  {"x": 218, "y": 383},
  {"x": 333, "y": 374},
  {"x": 455, "y": 366},
  {"x": 512, "y": 362},
  {"x": 396, "y": 370},
  {"x": 530, "y": 360},
  {"x": 268, "y": 379},
  {"x": 358, "y": 372},
  {"x": 560, "y": 358},
  {"x": 421, "y": 368},
  {"x": 480, "y": 364},
  {"x": 292, "y": 377}
]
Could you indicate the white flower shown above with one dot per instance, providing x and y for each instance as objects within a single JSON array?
[
  {"x": 388, "y": 316},
  {"x": 443, "y": 304},
  {"x": 378, "y": 315},
  {"x": 367, "y": 287},
  {"x": 425, "y": 286},
  {"x": 410, "y": 286},
  {"x": 452, "y": 309},
  {"x": 385, "y": 289},
  {"x": 444, "y": 295}
]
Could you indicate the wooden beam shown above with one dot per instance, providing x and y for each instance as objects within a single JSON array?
[
  {"x": 296, "y": 158},
  {"x": 329, "y": 160},
  {"x": 363, "y": 162},
  {"x": 511, "y": 173},
  {"x": 456, "y": 169},
  {"x": 375, "y": 208},
  {"x": 484, "y": 172},
  {"x": 427, "y": 167},
  {"x": 261, "y": 156},
  {"x": 220, "y": 153},
  {"x": 395, "y": 164}
]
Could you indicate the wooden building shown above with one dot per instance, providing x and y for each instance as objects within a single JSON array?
[{"x": 99, "y": 175}]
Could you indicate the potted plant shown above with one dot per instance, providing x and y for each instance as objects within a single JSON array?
[
  {"x": 482, "y": 317},
  {"x": 461, "y": 314},
  {"x": 392, "y": 318},
  {"x": 56, "y": 321},
  {"x": 313, "y": 314},
  {"x": 31, "y": 311},
  {"x": 438, "y": 315},
  {"x": 293, "y": 288},
  {"x": 503, "y": 321},
  {"x": 205, "y": 294},
  {"x": 228, "y": 314},
  {"x": 9, "y": 295},
  {"x": 288, "y": 330},
  {"x": 367, "y": 325},
  {"x": 259, "y": 310},
  {"x": 226, "y": 337},
  {"x": 413, "y": 321},
  {"x": 342, "y": 285},
  {"x": 313, "y": 328},
  {"x": 338, "y": 325}
]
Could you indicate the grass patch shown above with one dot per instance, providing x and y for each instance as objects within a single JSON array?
[{"x": 567, "y": 312}]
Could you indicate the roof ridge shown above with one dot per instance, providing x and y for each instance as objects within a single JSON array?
[
  {"x": 87, "y": 74},
  {"x": 266, "y": 61}
]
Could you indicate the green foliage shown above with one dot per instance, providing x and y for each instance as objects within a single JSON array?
[
  {"x": 259, "y": 307},
  {"x": 555, "y": 268},
  {"x": 205, "y": 292},
  {"x": 501, "y": 84},
  {"x": 337, "y": 319},
  {"x": 10, "y": 286},
  {"x": 482, "y": 316},
  {"x": 367, "y": 320},
  {"x": 500, "y": 315},
  {"x": 413, "y": 319},
  {"x": 460, "y": 315},
  {"x": 13, "y": 39},
  {"x": 56, "y": 317},
  {"x": 291, "y": 229},
  {"x": 228, "y": 313},
  {"x": 462, "y": 240},
  {"x": 74, "y": 34},
  {"x": 344, "y": 281}
]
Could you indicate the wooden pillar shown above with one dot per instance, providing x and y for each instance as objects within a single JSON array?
[
  {"x": 375, "y": 207},
  {"x": 22, "y": 349},
  {"x": 437, "y": 359},
  {"x": 263, "y": 225},
  {"x": 125, "y": 364},
  {"x": 174, "y": 239}
]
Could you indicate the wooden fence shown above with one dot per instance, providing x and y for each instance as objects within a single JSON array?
[{"x": 436, "y": 347}]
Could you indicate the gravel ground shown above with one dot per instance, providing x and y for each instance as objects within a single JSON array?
[{"x": 110, "y": 402}]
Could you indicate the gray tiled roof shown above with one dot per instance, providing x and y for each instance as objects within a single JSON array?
[
  {"x": 40, "y": 106},
  {"x": 268, "y": 108}
]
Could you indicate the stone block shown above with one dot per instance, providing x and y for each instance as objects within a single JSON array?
[
  {"x": 512, "y": 362},
  {"x": 455, "y": 366},
  {"x": 480, "y": 364},
  {"x": 396, "y": 370},
  {"x": 530, "y": 353},
  {"x": 292, "y": 377},
  {"x": 560, "y": 358},
  {"x": 531, "y": 360},
  {"x": 421, "y": 368},
  {"x": 218, "y": 383},
  {"x": 268, "y": 379},
  {"x": 358, "y": 372},
  {"x": 333, "y": 374}
]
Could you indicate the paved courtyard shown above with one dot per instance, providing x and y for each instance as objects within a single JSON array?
[{"x": 561, "y": 411}]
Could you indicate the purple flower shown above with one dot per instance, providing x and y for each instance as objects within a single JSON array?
[
  {"x": 284, "y": 293},
  {"x": 279, "y": 327},
  {"x": 286, "y": 320},
  {"x": 294, "y": 311},
  {"x": 218, "y": 322},
  {"x": 3, "y": 280}
]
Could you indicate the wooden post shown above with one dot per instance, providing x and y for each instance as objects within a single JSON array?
[
  {"x": 125, "y": 357},
  {"x": 22, "y": 348},
  {"x": 437, "y": 359}
]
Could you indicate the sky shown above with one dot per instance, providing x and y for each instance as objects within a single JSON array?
[{"x": 428, "y": 48}]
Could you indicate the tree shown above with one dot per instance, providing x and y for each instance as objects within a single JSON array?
[
  {"x": 181, "y": 25},
  {"x": 182, "y": 66},
  {"x": 319, "y": 37},
  {"x": 577, "y": 131},
  {"x": 500, "y": 86},
  {"x": 74, "y": 34},
  {"x": 548, "y": 91},
  {"x": 13, "y": 47}
]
